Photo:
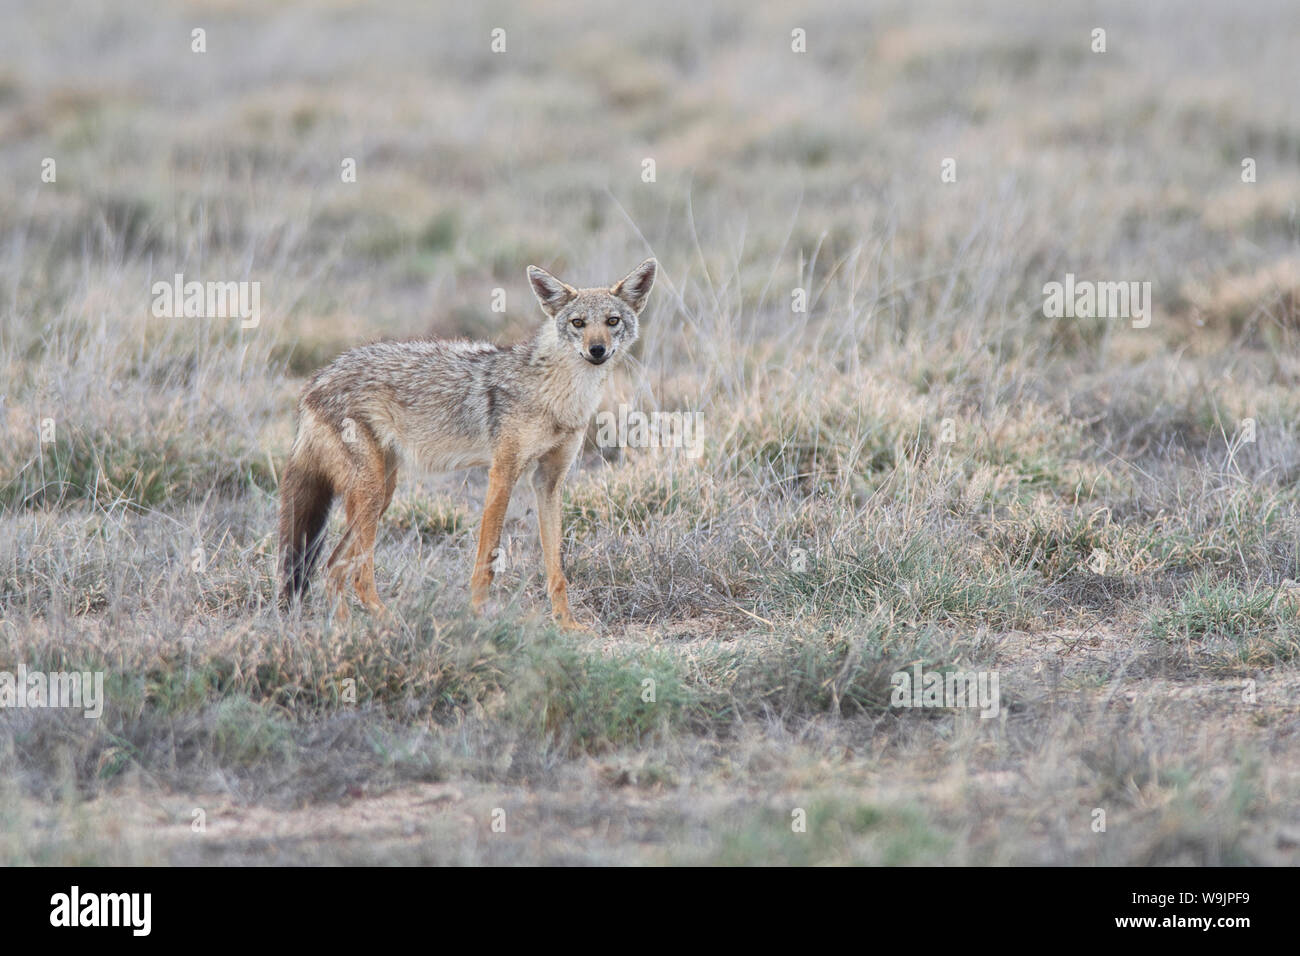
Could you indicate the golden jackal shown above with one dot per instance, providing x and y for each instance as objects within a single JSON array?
[{"x": 450, "y": 405}]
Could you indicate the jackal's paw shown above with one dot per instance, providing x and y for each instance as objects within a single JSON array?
[
  {"x": 341, "y": 612},
  {"x": 567, "y": 622}
]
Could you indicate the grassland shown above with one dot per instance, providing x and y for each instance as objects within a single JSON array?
[{"x": 920, "y": 469}]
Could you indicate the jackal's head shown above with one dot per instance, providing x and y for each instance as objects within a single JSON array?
[{"x": 596, "y": 323}]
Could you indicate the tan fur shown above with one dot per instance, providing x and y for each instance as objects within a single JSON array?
[{"x": 450, "y": 405}]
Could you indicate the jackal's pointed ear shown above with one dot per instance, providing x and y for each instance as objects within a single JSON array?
[
  {"x": 634, "y": 288},
  {"x": 550, "y": 291}
]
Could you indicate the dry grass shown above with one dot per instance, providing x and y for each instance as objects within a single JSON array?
[{"x": 920, "y": 469}]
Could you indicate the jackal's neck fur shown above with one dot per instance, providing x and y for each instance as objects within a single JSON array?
[{"x": 567, "y": 385}]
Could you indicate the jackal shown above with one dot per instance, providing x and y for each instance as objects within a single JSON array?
[{"x": 448, "y": 405}]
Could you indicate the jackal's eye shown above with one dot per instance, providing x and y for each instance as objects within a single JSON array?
[
  {"x": 578, "y": 323},
  {"x": 612, "y": 320}
]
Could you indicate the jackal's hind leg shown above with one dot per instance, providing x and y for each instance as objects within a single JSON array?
[
  {"x": 336, "y": 575},
  {"x": 353, "y": 561}
]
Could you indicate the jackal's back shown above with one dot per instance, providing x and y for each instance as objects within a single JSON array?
[{"x": 438, "y": 402}]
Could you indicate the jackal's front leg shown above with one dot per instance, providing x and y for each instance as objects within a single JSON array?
[
  {"x": 551, "y": 469},
  {"x": 501, "y": 481}
]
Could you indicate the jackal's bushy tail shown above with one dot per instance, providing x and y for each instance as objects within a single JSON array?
[{"x": 305, "y": 498}]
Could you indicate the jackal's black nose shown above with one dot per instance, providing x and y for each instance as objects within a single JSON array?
[{"x": 597, "y": 351}]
